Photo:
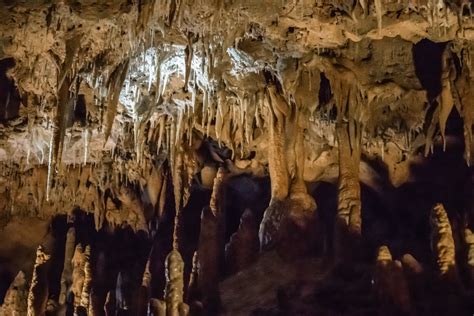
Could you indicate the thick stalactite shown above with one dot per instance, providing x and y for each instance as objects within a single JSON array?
[{"x": 348, "y": 228}]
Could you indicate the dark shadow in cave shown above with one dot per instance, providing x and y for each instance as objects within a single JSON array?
[
  {"x": 244, "y": 192},
  {"x": 6, "y": 279},
  {"x": 427, "y": 56},
  {"x": 441, "y": 178},
  {"x": 113, "y": 251},
  {"x": 9, "y": 96},
  {"x": 376, "y": 222}
]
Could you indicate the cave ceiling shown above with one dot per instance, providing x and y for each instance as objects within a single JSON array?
[{"x": 109, "y": 90}]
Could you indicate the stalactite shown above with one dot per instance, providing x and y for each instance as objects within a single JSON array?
[
  {"x": 243, "y": 246},
  {"x": 348, "y": 218},
  {"x": 278, "y": 169},
  {"x": 114, "y": 86},
  {"x": 189, "y": 166},
  {"x": 446, "y": 101},
  {"x": 216, "y": 189},
  {"x": 390, "y": 284},
  {"x": 298, "y": 232},
  {"x": 442, "y": 243},
  {"x": 161, "y": 123},
  {"x": 379, "y": 13},
  {"x": 465, "y": 94},
  {"x": 145, "y": 12},
  {"x": 161, "y": 205},
  {"x": 154, "y": 185},
  {"x": 15, "y": 300},
  {"x": 38, "y": 292},
  {"x": 177, "y": 189},
  {"x": 66, "y": 276},
  {"x": 189, "y": 53}
]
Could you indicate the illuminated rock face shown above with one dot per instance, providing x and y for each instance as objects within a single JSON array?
[{"x": 236, "y": 157}]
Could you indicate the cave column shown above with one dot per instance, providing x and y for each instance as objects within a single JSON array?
[
  {"x": 348, "y": 218},
  {"x": 278, "y": 169}
]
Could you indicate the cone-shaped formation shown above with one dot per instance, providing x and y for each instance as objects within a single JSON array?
[
  {"x": 15, "y": 301},
  {"x": 78, "y": 274},
  {"x": 243, "y": 246},
  {"x": 38, "y": 292},
  {"x": 173, "y": 304},
  {"x": 442, "y": 242},
  {"x": 66, "y": 275},
  {"x": 391, "y": 286},
  {"x": 469, "y": 241},
  {"x": 209, "y": 255}
]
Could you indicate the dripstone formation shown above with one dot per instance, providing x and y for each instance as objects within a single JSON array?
[{"x": 236, "y": 157}]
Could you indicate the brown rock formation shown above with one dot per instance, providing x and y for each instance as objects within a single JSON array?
[
  {"x": 243, "y": 246},
  {"x": 38, "y": 292},
  {"x": 66, "y": 276},
  {"x": 347, "y": 119},
  {"x": 15, "y": 299},
  {"x": 390, "y": 284},
  {"x": 442, "y": 243}
]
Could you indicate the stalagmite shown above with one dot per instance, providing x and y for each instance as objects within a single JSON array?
[
  {"x": 173, "y": 297},
  {"x": 209, "y": 255},
  {"x": 15, "y": 300},
  {"x": 87, "y": 285},
  {"x": 390, "y": 284},
  {"x": 193, "y": 279},
  {"x": 78, "y": 274},
  {"x": 348, "y": 219},
  {"x": 66, "y": 276},
  {"x": 469, "y": 242},
  {"x": 144, "y": 293},
  {"x": 243, "y": 245},
  {"x": 109, "y": 306},
  {"x": 157, "y": 307},
  {"x": 442, "y": 243},
  {"x": 38, "y": 292}
]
